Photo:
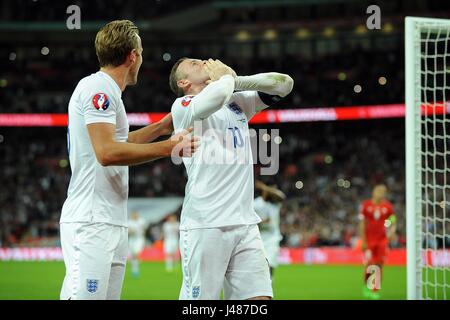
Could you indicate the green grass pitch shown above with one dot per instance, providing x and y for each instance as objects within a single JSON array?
[{"x": 42, "y": 280}]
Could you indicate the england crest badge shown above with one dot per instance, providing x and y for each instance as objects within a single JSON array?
[
  {"x": 91, "y": 285},
  {"x": 235, "y": 108},
  {"x": 195, "y": 292}
]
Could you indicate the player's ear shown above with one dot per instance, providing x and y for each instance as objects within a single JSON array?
[
  {"x": 132, "y": 57},
  {"x": 183, "y": 84}
]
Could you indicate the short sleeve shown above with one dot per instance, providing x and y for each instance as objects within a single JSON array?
[
  {"x": 247, "y": 101},
  {"x": 182, "y": 114},
  {"x": 99, "y": 106}
]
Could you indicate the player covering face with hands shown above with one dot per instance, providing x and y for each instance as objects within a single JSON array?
[{"x": 220, "y": 243}]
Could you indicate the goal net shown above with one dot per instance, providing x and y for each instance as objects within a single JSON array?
[{"x": 427, "y": 84}]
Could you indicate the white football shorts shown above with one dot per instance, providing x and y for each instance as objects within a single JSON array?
[
  {"x": 170, "y": 246},
  {"x": 136, "y": 245},
  {"x": 231, "y": 258},
  {"x": 95, "y": 255}
]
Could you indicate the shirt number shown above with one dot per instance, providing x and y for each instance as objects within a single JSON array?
[{"x": 238, "y": 141}]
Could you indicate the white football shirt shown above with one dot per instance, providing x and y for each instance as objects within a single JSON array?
[
  {"x": 96, "y": 193},
  {"x": 219, "y": 191},
  {"x": 270, "y": 231},
  {"x": 136, "y": 228}
]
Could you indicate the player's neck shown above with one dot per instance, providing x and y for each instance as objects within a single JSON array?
[
  {"x": 195, "y": 89},
  {"x": 118, "y": 74},
  {"x": 377, "y": 201}
]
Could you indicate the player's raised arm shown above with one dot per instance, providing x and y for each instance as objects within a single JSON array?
[
  {"x": 275, "y": 193},
  {"x": 271, "y": 83},
  {"x": 260, "y": 91},
  {"x": 216, "y": 93}
]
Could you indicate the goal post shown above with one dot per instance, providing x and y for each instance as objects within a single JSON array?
[{"x": 427, "y": 91}]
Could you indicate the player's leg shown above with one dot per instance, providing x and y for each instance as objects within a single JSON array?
[
  {"x": 248, "y": 275},
  {"x": 373, "y": 272},
  {"x": 134, "y": 265},
  {"x": 368, "y": 261},
  {"x": 272, "y": 252},
  {"x": 118, "y": 266},
  {"x": 136, "y": 247},
  {"x": 205, "y": 254},
  {"x": 169, "y": 262},
  {"x": 169, "y": 248},
  {"x": 71, "y": 261},
  {"x": 96, "y": 243},
  {"x": 378, "y": 261}
]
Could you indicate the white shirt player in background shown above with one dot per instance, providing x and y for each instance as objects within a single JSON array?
[
  {"x": 268, "y": 207},
  {"x": 93, "y": 224},
  {"x": 171, "y": 234},
  {"x": 136, "y": 240},
  {"x": 220, "y": 244}
]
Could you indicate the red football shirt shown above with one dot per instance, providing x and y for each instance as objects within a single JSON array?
[{"x": 374, "y": 216}]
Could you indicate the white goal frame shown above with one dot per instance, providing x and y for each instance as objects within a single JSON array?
[{"x": 414, "y": 201}]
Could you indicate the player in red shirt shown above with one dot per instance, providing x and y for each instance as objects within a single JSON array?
[{"x": 377, "y": 227}]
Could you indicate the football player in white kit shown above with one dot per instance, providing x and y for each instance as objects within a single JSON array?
[
  {"x": 268, "y": 207},
  {"x": 220, "y": 244},
  {"x": 136, "y": 237},
  {"x": 93, "y": 224},
  {"x": 171, "y": 234}
]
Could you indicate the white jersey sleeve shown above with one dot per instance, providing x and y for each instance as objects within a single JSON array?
[
  {"x": 99, "y": 105},
  {"x": 182, "y": 113},
  {"x": 199, "y": 107}
]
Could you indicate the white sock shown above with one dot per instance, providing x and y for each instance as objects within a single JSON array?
[
  {"x": 135, "y": 266},
  {"x": 169, "y": 263}
]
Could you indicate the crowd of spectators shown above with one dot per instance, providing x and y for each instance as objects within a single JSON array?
[
  {"x": 326, "y": 170},
  {"x": 34, "y": 83}
]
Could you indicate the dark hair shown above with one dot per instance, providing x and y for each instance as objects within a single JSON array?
[{"x": 174, "y": 77}]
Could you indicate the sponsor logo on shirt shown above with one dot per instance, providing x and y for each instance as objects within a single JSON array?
[
  {"x": 100, "y": 101},
  {"x": 186, "y": 100}
]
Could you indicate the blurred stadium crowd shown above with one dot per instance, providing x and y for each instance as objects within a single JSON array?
[
  {"x": 42, "y": 84},
  {"x": 324, "y": 173}
]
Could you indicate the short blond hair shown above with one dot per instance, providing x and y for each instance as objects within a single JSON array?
[
  {"x": 115, "y": 41},
  {"x": 174, "y": 77}
]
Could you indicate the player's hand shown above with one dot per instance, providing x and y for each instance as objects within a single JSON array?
[
  {"x": 184, "y": 144},
  {"x": 216, "y": 69},
  {"x": 166, "y": 125},
  {"x": 233, "y": 73}
]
